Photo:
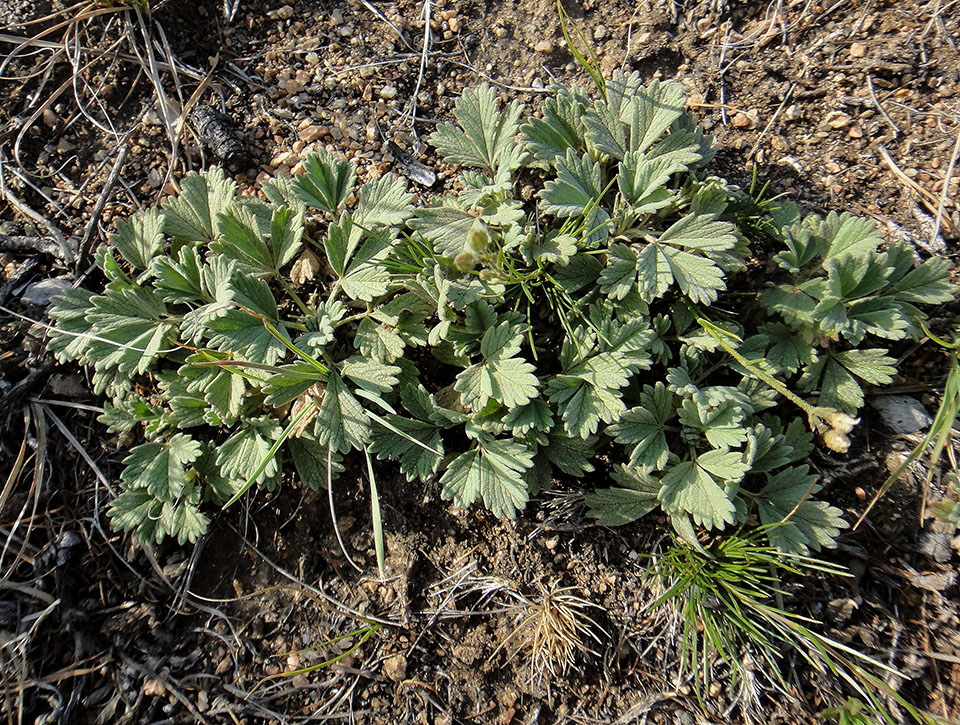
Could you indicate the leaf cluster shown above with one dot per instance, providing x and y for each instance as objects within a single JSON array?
[{"x": 495, "y": 342}]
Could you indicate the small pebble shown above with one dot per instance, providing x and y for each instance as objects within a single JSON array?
[
  {"x": 747, "y": 120},
  {"x": 600, "y": 32},
  {"x": 858, "y": 50},
  {"x": 545, "y": 46},
  {"x": 311, "y": 59},
  {"x": 285, "y": 12},
  {"x": 336, "y": 17},
  {"x": 792, "y": 112},
  {"x": 50, "y": 118},
  {"x": 388, "y": 92}
]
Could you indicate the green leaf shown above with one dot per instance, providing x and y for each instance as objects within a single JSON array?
[
  {"x": 721, "y": 422},
  {"x": 192, "y": 216},
  {"x": 577, "y": 187},
  {"x": 370, "y": 375},
  {"x": 485, "y": 137},
  {"x": 552, "y": 247},
  {"x": 341, "y": 422},
  {"x": 642, "y": 182},
  {"x": 124, "y": 414},
  {"x": 242, "y": 453},
  {"x": 310, "y": 460},
  {"x": 812, "y": 524},
  {"x": 502, "y": 376},
  {"x": 652, "y": 111},
  {"x": 636, "y": 496},
  {"x": 136, "y": 510},
  {"x": 847, "y": 234},
  {"x": 644, "y": 428},
  {"x": 375, "y": 341},
  {"x": 286, "y": 233},
  {"x": 928, "y": 284},
  {"x": 492, "y": 470},
  {"x": 383, "y": 202},
  {"x": 416, "y": 462},
  {"x": 242, "y": 239},
  {"x": 573, "y": 456},
  {"x": 326, "y": 182},
  {"x": 839, "y": 387},
  {"x": 619, "y": 277},
  {"x": 132, "y": 326},
  {"x": 445, "y": 226},
  {"x": 183, "y": 519},
  {"x": 160, "y": 467},
  {"x": 366, "y": 277},
  {"x": 140, "y": 239},
  {"x": 560, "y": 128},
  {"x": 661, "y": 263},
  {"x": 697, "y": 487},
  {"x": 535, "y": 415}
]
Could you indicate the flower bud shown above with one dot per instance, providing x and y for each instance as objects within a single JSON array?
[
  {"x": 841, "y": 422},
  {"x": 478, "y": 236},
  {"x": 836, "y": 441},
  {"x": 465, "y": 261}
]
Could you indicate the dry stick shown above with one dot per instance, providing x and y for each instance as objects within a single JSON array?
[
  {"x": 66, "y": 254},
  {"x": 943, "y": 194},
  {"x": 928, "y": 199},
  {"x": 102, "y": 201},
  {"x": 773, "y": 118},
  {"x": 879, "y": 107}
]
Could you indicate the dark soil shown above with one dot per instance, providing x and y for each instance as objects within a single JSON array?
[{"x": 840, "y": 105}]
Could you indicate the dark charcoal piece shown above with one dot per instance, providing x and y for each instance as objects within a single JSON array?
[
  {"x": 411, "y": 168},
  {"x": 216, "y": 133}
]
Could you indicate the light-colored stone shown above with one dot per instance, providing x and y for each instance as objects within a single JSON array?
[
  {"x": 858, "y": 50},
  {"x": 545, "y": 46},
  {"x": 600, "y": 32},
  {"x": 388, "y": 92},
  {"x": 747, "y": 120},
  {"x": 285, "y": 12},
  {"x": 39, "y": 293},
  {"x": 312, "y": 133}
]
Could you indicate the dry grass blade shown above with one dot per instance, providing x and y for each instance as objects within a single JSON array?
[{"x": 554, "y": 629}]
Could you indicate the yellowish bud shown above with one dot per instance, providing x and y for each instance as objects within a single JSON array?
[
  {"x": 478, "y": 236},
  {"x": 465, "y": 261},
  {"x": 836, "y": 441},
  {"x": 841, "y": 422}
]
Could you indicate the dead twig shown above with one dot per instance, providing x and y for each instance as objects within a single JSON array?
[
  {"x": 943, "y": 193},
  {"x": 880, "y": 108},
  {"x": 928, "y": 199}
]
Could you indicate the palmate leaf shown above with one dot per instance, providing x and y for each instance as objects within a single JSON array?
[
  {"x": 153, "y": 520},
  {"x": 242, "y": 453},
  {"x": 651, "y": 112},
  {"x": 812, "y": 524},
  {"x": 636, "y": 496},
  {"x": 140, "y": 239},
  {"x": 310, "y": 460},
  {"x": 161, "y": 467},
  {"x": 644, "y": 428},
  {"x": 642, "y": 182},
  {"x": 131, "y": 325},
  {"x": 416, "y": 462},
  {"x": 365, "y": 277},
  {"x": 502, "y": 376},
  {"x": 485, "y": 137},
  {"x": 577, "y": 188},
  {"x": 326, "y": 182},
  {"x": 846, "y": 234},
  {"x": 493, "y": 470},
  {"x": 383, "y": 202},
  {"x": 243, "y": 332},
  {"x": 341, "y": 422},
  {"x": 661, "y": 263},
  {"x": 69, "y": 339},
  {"x": 561, "y": 127},
  {"x": 445, "y": 226},
  {"x": 377, "y": 342},
  {"x": 572, "y": 455},
  {"x": 837, "y": 375},
  {"x": 243, "y": 240},
  {"x": 192, "y": 216},
  {"x": 699, "y": 487},
  {"x": 124, "y": 414}
]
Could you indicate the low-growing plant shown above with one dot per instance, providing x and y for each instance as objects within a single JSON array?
[
  {"x": 568, "y": 313},
  {"x": 728, "y": 602}
]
